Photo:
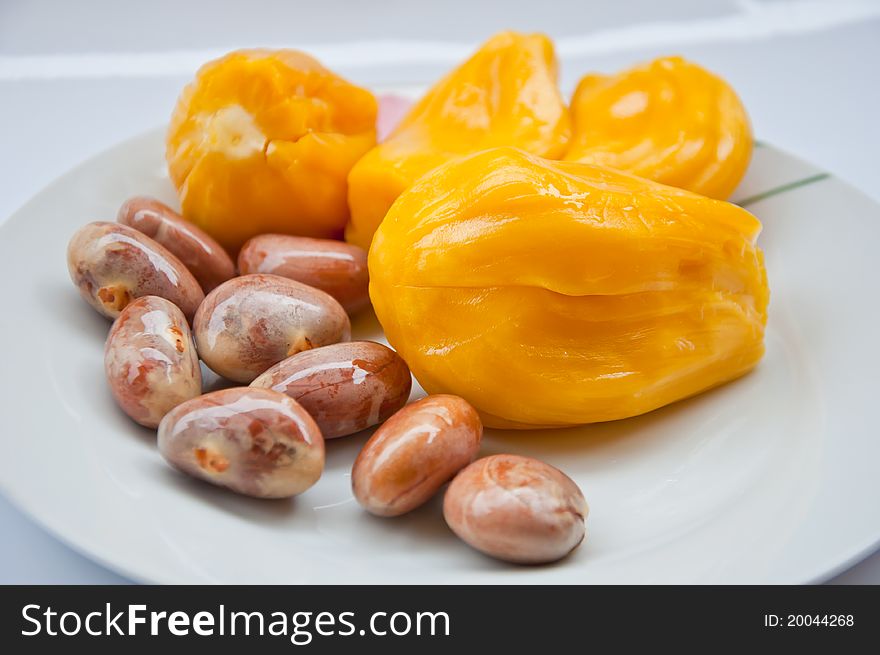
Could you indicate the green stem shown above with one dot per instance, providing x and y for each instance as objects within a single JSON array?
[{"x": 818, "y": 177}]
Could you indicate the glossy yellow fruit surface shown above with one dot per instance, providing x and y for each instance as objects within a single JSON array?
[
  {"x": 262, "y": 141},
  {"x": 670, "y": 121},
  {"x": 505, "y": 94},
  {"x": 552, "y": 293}
]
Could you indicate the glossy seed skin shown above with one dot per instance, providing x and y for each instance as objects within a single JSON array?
[
  {"x": 112, "y": 264},
  {"x": 414, "y": 453},
  {"x": 206, "y": 259},
  {"x": 345, "y": 387},
  {"x": 255, "y": 442},
  {"x": 150, "y": 360},
  {"x": 252, "y": 322},
  {"x": 335, "y": 267},
  {"x": 516, "y": 509}
]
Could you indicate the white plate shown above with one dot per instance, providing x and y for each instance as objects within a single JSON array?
[{"x": 773, "y": 478}]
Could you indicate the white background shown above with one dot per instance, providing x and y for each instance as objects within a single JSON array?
[{"x": 77, "y": 77}]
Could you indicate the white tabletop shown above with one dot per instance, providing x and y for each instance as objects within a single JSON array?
[{"x": 78, "y": 77}]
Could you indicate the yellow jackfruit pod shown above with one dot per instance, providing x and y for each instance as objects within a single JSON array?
[
  {"x": 505, "y": 94},
  {"x": 551, "y": 293},
  {"x": 670, "y": 121},
  {"x": 263, "y": 141}
]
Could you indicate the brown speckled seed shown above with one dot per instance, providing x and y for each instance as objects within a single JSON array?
[
  {"x": 346, "y": 387},
  {"x": 112, "y": 264},
  {"x": 336, "y": 267},
  {"x": 196, "y": 249},
  {"x": 517, "y": 509},
  {"x": 414, "y": 453},
  {"x": 251, "y": 323},
  {"x": 151, "y": 361},
  {"x": 255, "y": 442}
]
